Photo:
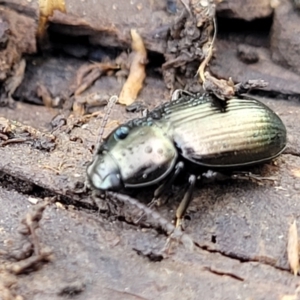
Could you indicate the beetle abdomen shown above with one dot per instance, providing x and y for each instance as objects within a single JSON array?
[{"x": 242, "y": 132}]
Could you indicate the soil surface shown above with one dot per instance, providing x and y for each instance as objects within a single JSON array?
[{"x": 57, "y": 243}]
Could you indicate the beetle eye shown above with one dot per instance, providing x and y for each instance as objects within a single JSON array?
[{"x": 121, "y": 133}]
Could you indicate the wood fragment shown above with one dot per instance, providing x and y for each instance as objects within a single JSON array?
[
  {"x": 87, "y": 74},
  {"x": 137, "y": 73},
  {"x": 47, "y": 8},
  {"x": 292, "y": 248},
  {"x": 43, "y": 93}
]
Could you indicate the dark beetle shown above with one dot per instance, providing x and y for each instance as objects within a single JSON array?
[{"x": 198, "y": 130}]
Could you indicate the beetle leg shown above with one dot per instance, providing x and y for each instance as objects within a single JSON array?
[
  {"x": 136, "y": 107},
  {"x": 98, "y": 200},
  {"x": 185, "y": 202},
  {"x": 251, "y": 176},
  {"x": 167, "y": 184},
  {"x": 176, "y": 95},
  {"x": 163, "y": 187},
  {"x": 145, "y": 113}
]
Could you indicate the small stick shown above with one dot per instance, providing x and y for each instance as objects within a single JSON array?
[{"x": 210, "y": 52}]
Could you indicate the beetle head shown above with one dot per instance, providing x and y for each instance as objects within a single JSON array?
[{"x": 103, "y": 173}]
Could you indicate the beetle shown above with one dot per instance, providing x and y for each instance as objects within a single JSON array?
[{"x": 198, "y": 131}]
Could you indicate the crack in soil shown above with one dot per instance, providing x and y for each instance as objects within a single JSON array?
[
  {"x": 242, "y": 259},
  {"x": 292, "y": 152},
  {"x": 165, "y": 227},
  {"x": 222, "y": 273}
]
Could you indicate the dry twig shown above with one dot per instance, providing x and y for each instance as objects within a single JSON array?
[
  {"x": 87, "y": 74},
  {"x": 137, "y": 73},
  {"x": 292, "y": 248}
]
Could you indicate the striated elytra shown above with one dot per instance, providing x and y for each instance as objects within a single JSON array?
[{"x": 198, "y": 129}]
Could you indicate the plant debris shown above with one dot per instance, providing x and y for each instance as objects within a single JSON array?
[
  {"x": 7, "y": 284},
  {"x": 16, "y": 132},
  {"x": 47, "y": 8},
  {"x": 190, "y": 43},
  {"x": 83, "y": 103},
  {"x": 87, "y": 74},
  {"x": 13, "y": 82},
  {"x": 29, "y": 255},
  {"x": 137, "y": 73},
  {"x": 292, "y": 248},
  {"x": 223, "y": 89},
  {"x": 43, "y": 92},
  {"x": 17, "y": 37}
]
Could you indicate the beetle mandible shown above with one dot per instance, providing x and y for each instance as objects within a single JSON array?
[{"x": 196, "y": 130}]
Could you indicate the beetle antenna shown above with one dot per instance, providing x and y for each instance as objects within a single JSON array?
[{"x": 110, "y": 104}]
